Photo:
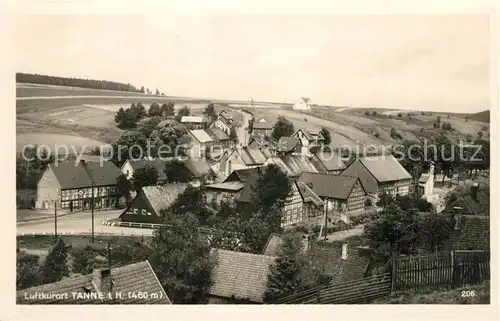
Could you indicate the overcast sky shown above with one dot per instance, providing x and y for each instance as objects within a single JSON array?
[{"x": 409, "y": 62}]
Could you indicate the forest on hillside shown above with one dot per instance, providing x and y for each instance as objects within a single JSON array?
[
  {"x": 483, "y": 116},
  {"x": 75, "y": 82}
]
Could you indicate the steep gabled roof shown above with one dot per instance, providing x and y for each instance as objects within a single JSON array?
[
  {"x": 71, "y": 174},
  {"x": 201, "y": 136},
  {"x": 198, "y": 167},
  {"x": 263, "y": 126},
  {"x": 249, "y": 178},
  {"x": 325, "y": 162},
  {"x": 473, "y": 233},
  {"x": 240, "y": 275},
  {"x": 294, "y": 165},
  {"x": 357, "y": 169},
  {"x": 385, "y": 168},
  {"x": 327, "y": 257},
  {"x": 308, "y": 195},
  {"x": 251, "y": 156},
  {"x": 287, "y": 144},
  {"x": 217, "y": 133},
  {"x": 161, "y": 197},
  {"x": 330, "y": 186},
  {"x": 136, "y": 277}
]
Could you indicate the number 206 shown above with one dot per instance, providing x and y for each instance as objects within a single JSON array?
[{"x": 468, "y": 294}]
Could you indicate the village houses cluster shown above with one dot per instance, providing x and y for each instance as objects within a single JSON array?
[{"x": 322, "y": 185}]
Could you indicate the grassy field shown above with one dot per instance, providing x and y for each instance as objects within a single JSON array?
[
  {"x": 445, "y": 296},
  {"x": 92, "y": 118},
  {"x": 45, "y": 242}
]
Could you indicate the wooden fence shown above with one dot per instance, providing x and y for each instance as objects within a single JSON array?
[
  {"x": 353, "y": 292},
  {"x": 455, "y": 269}
]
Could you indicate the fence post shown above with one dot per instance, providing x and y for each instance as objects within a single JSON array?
[
  {"x": 453, "y": 269},
  {"x": 393, "y": 275}
]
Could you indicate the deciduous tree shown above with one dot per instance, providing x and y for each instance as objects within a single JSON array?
[
  {"x": 146, "y": 176},
  {"x": 282, "y": 127},
  {"x": 181, "y": 259},
  {"x": 56, "y": 263}
]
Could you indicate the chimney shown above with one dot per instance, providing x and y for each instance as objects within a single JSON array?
[
  {"x": 364, "y": 251},
  {"x": 457, "y": 221},
  {"x": 473, "y": 190},
  {"x": 101, "y": 280},
  {"x": 228, "y": 168},
  {"x": 305, "y": 242},
  {"x": 344, "y": 251}
]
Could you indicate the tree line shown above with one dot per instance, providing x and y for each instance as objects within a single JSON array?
[{"x": 74, "y": 82}]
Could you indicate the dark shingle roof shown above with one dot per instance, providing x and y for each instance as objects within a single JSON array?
[
  {"x": 327, "y": 257},
  {"x": 240, "y": 275},
  {"x": 162, "y": 197},
  {"x": 287, "y": 144},
  {"x": 198, "y": 167},
  {"x": 251, "y": 156},
  {"x": 217, "y": 133},
  {"x": 263, "y": 125},
  {"x": 249, "y": 177},
  {"x": 294, "y": 165},
  {"x": 80, "y": 175},
  {"x": 331, "y": 186},
  {"x": 273, "y": 245},
  {"x": 357, "y": 169},
  {"x": 473, "y": 233},
  {"x": 308, "y": 194},
  {"x": 385, "y": 168},
  {"x": 136, "y": 277},
  {"x": 328, "y": 162}
]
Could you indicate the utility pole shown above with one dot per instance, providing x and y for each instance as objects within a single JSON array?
[
  {"x": 55, "y": 221},
  {"x": 92, "y": 208},
  {"x": 27, "y": 170},
  {"x": 109, "y": 266}
]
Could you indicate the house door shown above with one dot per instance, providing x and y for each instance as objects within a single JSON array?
[
  {"x": 107, "y": 202},
  {"x": 71, "y": 206}
]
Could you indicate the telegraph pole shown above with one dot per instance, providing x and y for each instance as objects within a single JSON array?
[
  {"x": 55, "y": 221},
  {"x": 92, "y": 208}
]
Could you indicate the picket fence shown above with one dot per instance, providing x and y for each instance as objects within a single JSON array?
[{"x": 453, "y": 269}]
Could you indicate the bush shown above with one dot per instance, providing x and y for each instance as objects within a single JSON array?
[
  {"x": 400, "y": 115},
  {"x": 377, "y": 134},
  {"x": 395, "y": 134},
  {"x": 484, "y": 128},
  {"x": 374, "y": 113},
  {"x": 367, "y": 113},
  {"x": 25, "y": 201},
  {"x": 368, "y": 202}
]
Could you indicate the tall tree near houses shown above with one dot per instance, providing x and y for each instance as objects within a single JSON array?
[
  {"x": 124, "y": 187},
  {"x": 123, "y": 148},
  {"x": 184, "y": 111},
  {"x": 168, "y": 109},
  {"x": 181, "y": 259},
  {"x": 282, "y": 127},
  {"x": 146, "y": 176},
  {"x": 210, "y": 112},
  {"x": 190, "y": 201},
  {"x": 28, "y": 271},
  {"x": 272, "y": 188},
  {"x": 292, "y": 272},
  {"x": 326, "y": 134},
  {"x": 55, "y": 266},
  {"x": 176, "y": 171},
  {"x": 157, "y": 91},
  {"x": 142, "y": 90},
  {"x": 155, "y": 110}
]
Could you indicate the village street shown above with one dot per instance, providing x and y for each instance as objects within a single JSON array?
[{"x": 79, "y": 223}]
